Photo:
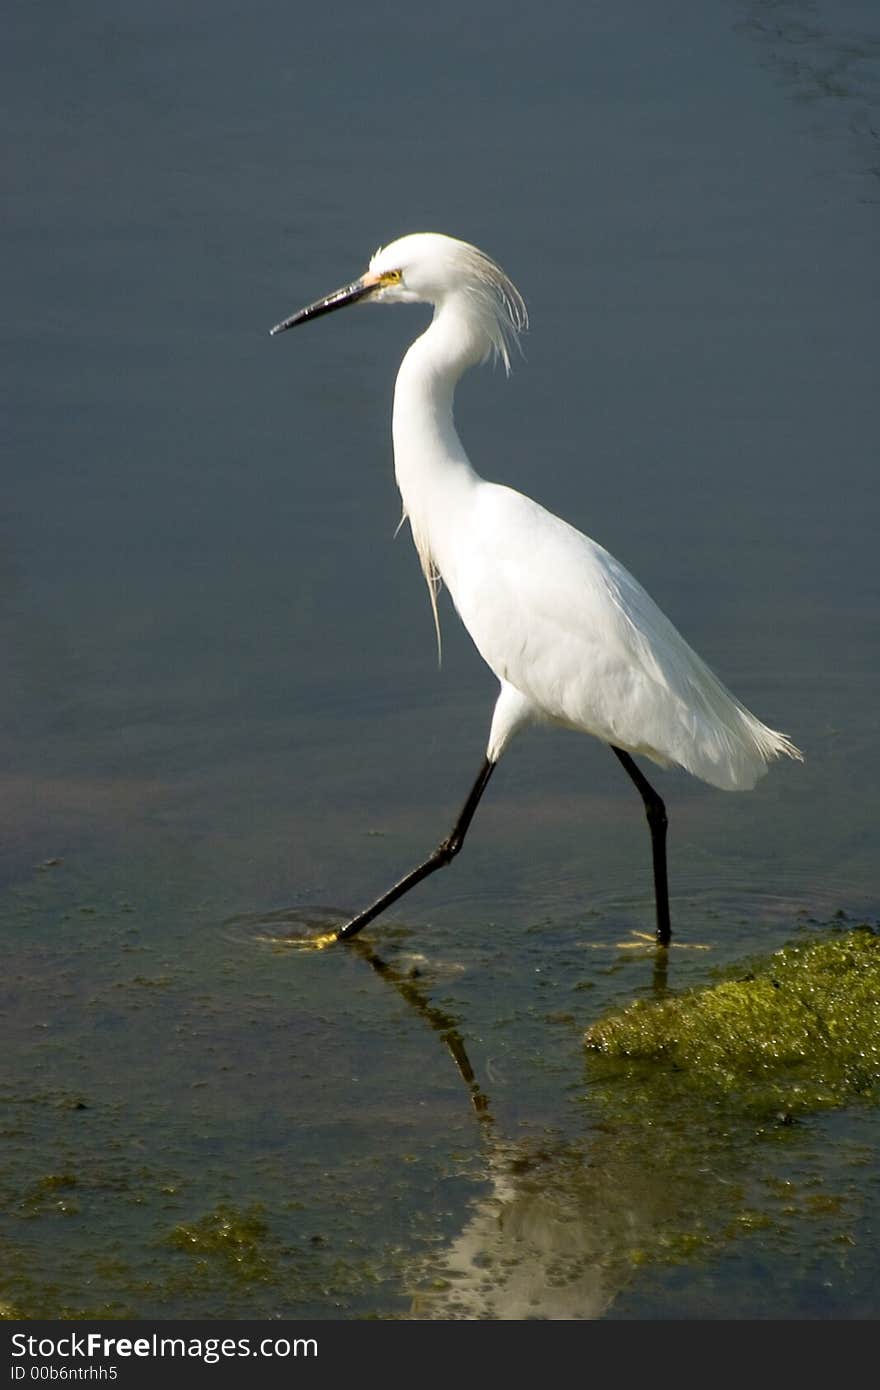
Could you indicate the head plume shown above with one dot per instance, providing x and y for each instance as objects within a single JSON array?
[{"x": 433, "y": 267}]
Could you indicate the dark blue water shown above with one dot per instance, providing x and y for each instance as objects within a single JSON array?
[{"x": 222, "y": 701}]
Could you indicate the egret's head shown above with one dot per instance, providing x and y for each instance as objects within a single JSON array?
[{"x": 426, "y": 267}]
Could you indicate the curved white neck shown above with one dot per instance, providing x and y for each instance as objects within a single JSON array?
[
  {"x": 427, "y": 448},
  {"x": 433, "y": 472}
]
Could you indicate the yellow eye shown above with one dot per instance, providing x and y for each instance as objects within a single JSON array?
[{"x": 391, "y": 277}]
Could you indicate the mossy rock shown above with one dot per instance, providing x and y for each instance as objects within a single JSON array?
[{"x": 793, "y": 1032}]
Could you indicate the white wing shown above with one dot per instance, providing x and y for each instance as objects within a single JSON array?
[{"x": 556, "y": 616}]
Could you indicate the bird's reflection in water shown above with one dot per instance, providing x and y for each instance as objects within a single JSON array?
[
  {"x": 659, "y": 1174},
  {"x": 654, "y": 1173},
  {"x": 405, "y": 979},
  {"x": 562, "y": 1227}
]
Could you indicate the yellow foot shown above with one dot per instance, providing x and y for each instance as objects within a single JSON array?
[
  {"x": 305, "y": 943},
  {"x": 639, "y": 940}
]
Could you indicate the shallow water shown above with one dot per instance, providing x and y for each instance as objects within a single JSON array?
[{"x": 223, "y": 719}]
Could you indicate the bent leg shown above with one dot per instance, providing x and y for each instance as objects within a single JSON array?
[
  {"x": 443, "y": 855},
  {"x": 656, "y": 813}
]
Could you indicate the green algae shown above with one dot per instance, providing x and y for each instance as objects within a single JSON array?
[
  {"x": 49, "y": 1195},
  {"x": 705, "y": 1107},
  {"x": 791, "y": 1033},
  {"x": 240, "y": 1240}
]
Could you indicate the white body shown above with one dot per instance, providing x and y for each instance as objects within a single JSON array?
[{"x": 569, "y": 633}]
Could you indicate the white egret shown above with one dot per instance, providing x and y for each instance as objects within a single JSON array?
[{"x": 572, "y": 637}]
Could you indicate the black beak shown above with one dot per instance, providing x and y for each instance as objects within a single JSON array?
[{"x": 350, "y": 294}]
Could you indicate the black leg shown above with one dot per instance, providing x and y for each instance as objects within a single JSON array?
[
  {"x": 443, "y": 855},
  {"x": 656, "y": 813}
]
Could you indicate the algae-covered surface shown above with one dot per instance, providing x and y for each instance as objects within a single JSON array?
[{"x": 793, "y": 1033}]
